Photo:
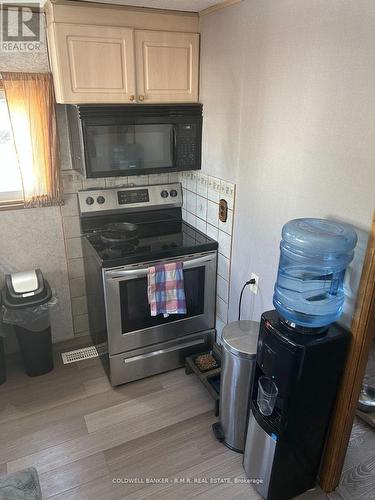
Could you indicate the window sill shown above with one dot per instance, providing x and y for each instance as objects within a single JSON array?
[{"x": 11, "y": 205}]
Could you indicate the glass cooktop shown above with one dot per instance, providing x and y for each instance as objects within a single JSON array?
[{"x": 153, "y": 241}]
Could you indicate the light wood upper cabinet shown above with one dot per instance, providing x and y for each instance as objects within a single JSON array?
[
  {"x": 92, "y": 64},
  {"x": 166, "y": 66}
]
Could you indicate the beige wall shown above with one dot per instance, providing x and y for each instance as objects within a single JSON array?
[
  {"x": 289, "y": 107},
  {"x": 32, "y": 239}
]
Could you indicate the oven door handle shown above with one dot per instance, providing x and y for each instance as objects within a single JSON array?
[{"x": 140, "y": 273}]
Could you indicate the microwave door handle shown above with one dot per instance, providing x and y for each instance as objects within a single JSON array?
[
  {"x": 174, "y": 145},
  {"x": 141, "y": 273},
  {"x": 171, "y": 139}
]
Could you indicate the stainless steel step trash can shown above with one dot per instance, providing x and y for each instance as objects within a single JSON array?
[{"x": 238, "y": 362}]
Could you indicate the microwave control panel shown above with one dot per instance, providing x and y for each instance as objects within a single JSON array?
[{"x": 187, "y": 149}]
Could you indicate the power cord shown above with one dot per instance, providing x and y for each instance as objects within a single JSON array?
[{"x": 250, "y": 282}]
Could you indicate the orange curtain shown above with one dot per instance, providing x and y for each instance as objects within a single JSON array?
[{"x": 31, "y": 106}]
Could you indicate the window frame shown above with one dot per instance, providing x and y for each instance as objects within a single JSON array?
[{"x": 9, "y": 199}]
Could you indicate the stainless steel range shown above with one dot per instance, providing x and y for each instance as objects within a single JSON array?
[{"x": 124, "y": 232}]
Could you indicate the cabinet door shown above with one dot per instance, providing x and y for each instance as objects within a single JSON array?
[
  {"x": 166, "y": 66},
  {"x": 92, "y": 64}
]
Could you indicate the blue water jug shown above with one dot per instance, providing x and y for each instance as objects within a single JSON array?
[{"x": 314, "y": 255}]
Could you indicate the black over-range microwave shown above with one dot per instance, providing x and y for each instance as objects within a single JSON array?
[{"x": 121, "y": 140}]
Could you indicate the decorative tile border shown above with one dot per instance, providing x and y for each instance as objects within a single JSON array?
[{"x": 202, "y": 194}]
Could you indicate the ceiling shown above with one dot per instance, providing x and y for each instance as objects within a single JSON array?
[{"x": 184, "y": 5}]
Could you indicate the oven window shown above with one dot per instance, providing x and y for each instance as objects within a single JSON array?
[
  {"x": 135, "y": 310},
  {"x": 122, "y": 148}
]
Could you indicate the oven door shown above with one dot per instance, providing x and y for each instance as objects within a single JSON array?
[{"x": 129, "y": 322}]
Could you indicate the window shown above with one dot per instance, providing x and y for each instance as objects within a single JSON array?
[
  {"x": 29, "y": 164},
  {"x": 10, "y": 176}
]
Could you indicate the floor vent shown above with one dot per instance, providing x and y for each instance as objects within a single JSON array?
[{"x": 84, "y": 353}]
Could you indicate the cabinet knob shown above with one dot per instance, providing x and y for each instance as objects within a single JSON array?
[
  {"x": 131, "y": 97},
  {"x": 141, "y": 97}
]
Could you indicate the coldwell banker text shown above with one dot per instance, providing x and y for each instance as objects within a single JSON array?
[{"x": 20, "y": 27}]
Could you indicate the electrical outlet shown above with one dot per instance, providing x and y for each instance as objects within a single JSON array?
[{"x": 254, "y": 288}]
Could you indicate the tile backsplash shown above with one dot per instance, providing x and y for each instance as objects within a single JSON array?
[{"x": 201, "y": 194}]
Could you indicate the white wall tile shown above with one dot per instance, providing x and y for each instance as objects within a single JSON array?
[
  {"x": 138, "y": 180},
  {"x": 77, "y": 287},
  {"x": 190, "y": 218},
  {"x": 173, "y": 177},
  {"x": 219, "y": 329},
  {"x": 213, "y": 213},
  {"x": 158, "y": 179},
  {"x": 222, "y": 288},
  {"x": 71, "y": 227},
  {"x": 223, "y": 266},
  {"x": 225, "y": 241},
  {"x": 93, "y": 183},
  {"x": 201, "y": 210},
  {"x": 202, "y": 184},
  {"x": 116, "y": 181},
  {"x": 81, "y": 323},
  {"x": 72, "y": 182},
  {"x": 184, "y": 214},
  {"x": 227, "y": 192},
  {"x": 184, "y": 179},
  {"x": 191, "y": 181},
  {"x": 201, "y": 225},
  {"x": 191, "y": 202},
  {"x": 228, "y": 225},
  {"x": 76, "y": 268},
  {"x": 73, "y": 248},
  {"x": 71, "y": 205},
  {"x": 79, "y": 305},
  {"x": 212, "y": 231},
  {"x": 222, "y": 309},
  {"x": 213, "y": 191}
]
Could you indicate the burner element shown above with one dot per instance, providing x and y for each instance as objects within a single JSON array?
[
  {"x": 131, "y": 230},
  {"x": 111, "y": 238},
  {"x": 118, "y": 233},
  {"x": 118, "y": 250}
]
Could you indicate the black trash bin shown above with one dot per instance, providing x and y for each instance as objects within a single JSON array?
[{"x": 25, "y": 299}]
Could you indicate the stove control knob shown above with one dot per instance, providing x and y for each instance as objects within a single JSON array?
[
  {"x": 173, "y": 193},
  {"x": 100, "y": 200},
  {"x": 164, "y": 194},
  {"x": 90, "y": 200}
]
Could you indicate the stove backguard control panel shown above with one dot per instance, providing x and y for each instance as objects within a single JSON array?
[{"x": 96, "y": 201}]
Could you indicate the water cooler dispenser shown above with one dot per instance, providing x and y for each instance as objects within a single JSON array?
[
  {"x": 300, "y": 359},
  {"x": 284, "y": 449}
]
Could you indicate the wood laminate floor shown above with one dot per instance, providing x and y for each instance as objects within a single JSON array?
[{"x": 88, "y": 440}]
